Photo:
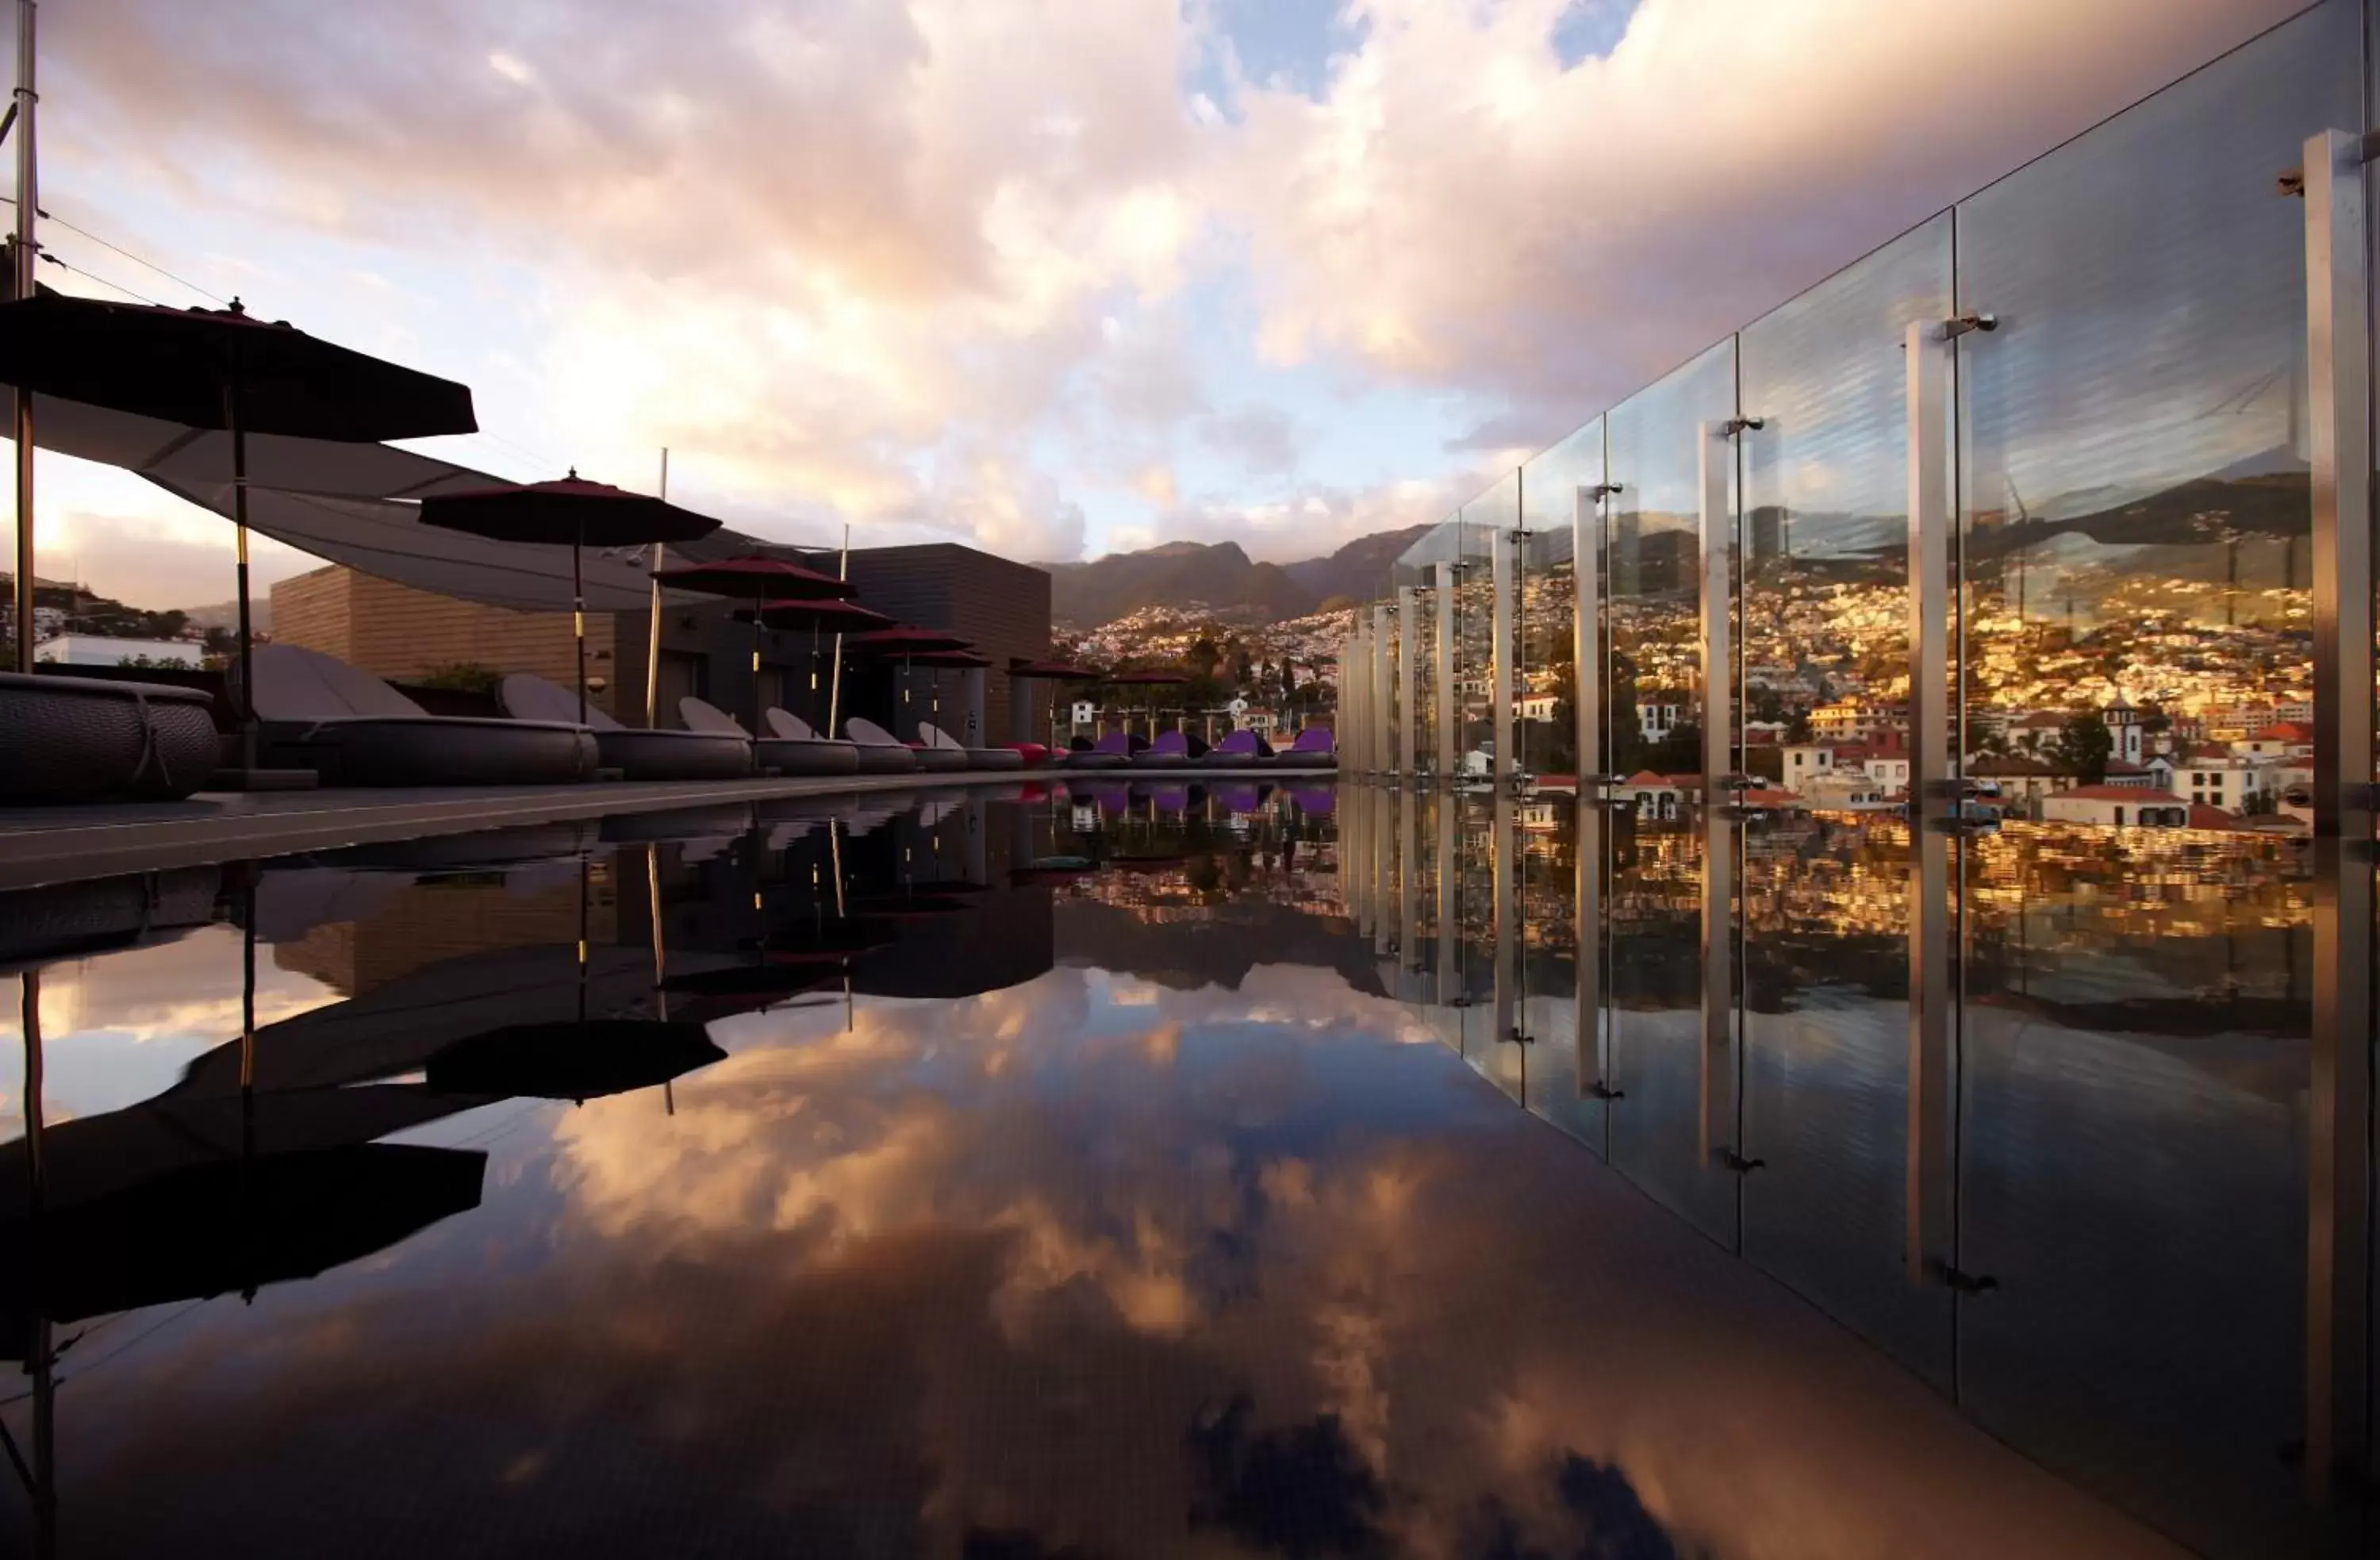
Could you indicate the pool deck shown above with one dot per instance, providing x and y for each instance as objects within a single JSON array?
[{"x": 45, "y": 844}]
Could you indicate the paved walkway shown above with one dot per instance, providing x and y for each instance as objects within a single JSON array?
[{"x": 59, "y": 844}]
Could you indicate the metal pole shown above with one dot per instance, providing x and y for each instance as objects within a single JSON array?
[
  {"x": 239, "y": 534},
  {"x": 1408, "y": 681},
  {"x": 1715, "y": 453},
  {"x": 1932, "y": 799},
  {"x": 1381, "y": 714},
  {"x": 28, "y": 206},
  {"x": 834, "y": 692},
  {"x": 2338, "y": 1190},
  {"x": 1501, "y": 548},
  {"x": 1449, "y": 719},
  {"x": 653, "y": 617},
  {"x": 577, "y": 606},
  {"x": 1586, "y": 671}
]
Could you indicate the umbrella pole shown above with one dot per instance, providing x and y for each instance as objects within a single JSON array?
[
  {"x": 653, "y": 617},
  {"x": 27, "y": 205},
  {"x": 834, "y": 695},
  {"x": 240, "y": 532},
  {"x": 577, "y": 615},
  {"x": 756, "y": 668}
]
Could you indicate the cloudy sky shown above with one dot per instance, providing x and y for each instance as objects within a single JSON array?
[{"x": 1057, "y": 276}]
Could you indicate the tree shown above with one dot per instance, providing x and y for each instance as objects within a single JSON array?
[{"x": 2084, "y": 745}]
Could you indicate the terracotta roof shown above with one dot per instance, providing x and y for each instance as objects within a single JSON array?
[
  {"x": 2120, "y": 793},
  {"x": 2287, "y": 731},
  {"x": 2204, "y": 817}
]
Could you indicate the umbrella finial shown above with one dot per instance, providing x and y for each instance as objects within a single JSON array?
[
  {"x": 236, "y": 306},
  {"x": 574, "y": 473}
]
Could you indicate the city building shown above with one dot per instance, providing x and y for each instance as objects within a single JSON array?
[
  {"x": 2121, "y": 807},
  {"x": 100, "y": 650}
]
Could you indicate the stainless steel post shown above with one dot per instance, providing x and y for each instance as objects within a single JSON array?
[
  {"x": 1408, "y": 681},
  {"x": 1715, "y": 452},
  {"x": 1934, "y": 802},
  {"x": 1449, "y": 721},
  {"x": 2339, "y": 365},
  {"x": 1502, "y": 547},
  {"x": 1381, "y": 714}
]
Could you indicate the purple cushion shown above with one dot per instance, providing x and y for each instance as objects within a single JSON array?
[
  {"x": 1172, "y": 744},
  {"x": 1241, "y": 744},
  {"x": 1312, "y": 739}
]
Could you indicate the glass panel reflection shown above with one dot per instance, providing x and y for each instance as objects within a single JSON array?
[
  {"x": 2138, "y": 668},
  {"x": 1826, "y": 871},
  {"x": 1653, "y": 915}
]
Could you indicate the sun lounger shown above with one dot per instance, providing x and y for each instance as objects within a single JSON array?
[
  {"x": 977, "y": 758},
  {"x": 84, "y": 739},
  {"x": 1240, "y": 750},
  {"x": 787, "y": 727},
  {"x": 1313, "y": 750},
  {"x": 1112, "y": 751},
  {"x": 637, "y": 754},
  {"x": 785, "y": 755},
  {"x": 868, "y": 734},
  {"x": 316, "y": 711},
  {"x": 878, "y": 753},
  {"x": 1172, "y": 749}
]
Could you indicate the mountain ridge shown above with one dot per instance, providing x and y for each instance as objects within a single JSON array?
[{"x": 1220, "y": 577}]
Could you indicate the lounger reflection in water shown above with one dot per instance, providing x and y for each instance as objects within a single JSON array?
[
  {"x": 938, "y": 739},
  {"x": 571, "y": 1059},
  {"x": 785, "y": 755},
  {"x": 316, "y": 711},
  {"x": 636, "y": 754}
]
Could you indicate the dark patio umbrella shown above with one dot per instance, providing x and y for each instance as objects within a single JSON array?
[
  {"x": 217, "y": 370},
  {"x": 233, "y": 1224},
  {"x": 907, "y": 641},
  {"x": 571, "y": 512},
  {"x": 840, "y": 618},
  {"x": 1022, "y": 672},
  {"x": 571, "y": 1059},
  {"x": 1150, "y": 677},
  {"x": 757, "y": 580}
]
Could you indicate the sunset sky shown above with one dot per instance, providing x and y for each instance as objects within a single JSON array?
[{"x": 1056, "y": 276}]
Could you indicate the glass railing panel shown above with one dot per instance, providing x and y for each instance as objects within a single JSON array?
[
  {"x": 1552, "y": 486},
  {"x": 2138, "y": 656},
  {"x": 1652, "y": 909},
  {"x": 1487, "y": 520},
  {"x": 1824, "y": 615}
]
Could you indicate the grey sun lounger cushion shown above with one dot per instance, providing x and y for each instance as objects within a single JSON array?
[
  {"x": 1239, "y": 749},
  {"x": 874, "y": 739},
  {"x": 1112, "y": 751},
  {"x": 70, "y": 739},
  {"x": 316, "y": 711},
  {"x": 1313, "y": 750},
  {"x": 808, "y": 753},
  {"x": 637, "y": 754},
  {"x": 1172, "y": 749},
  {"x": 977, "y": 758},
  {"x": 783, "y": 755}
]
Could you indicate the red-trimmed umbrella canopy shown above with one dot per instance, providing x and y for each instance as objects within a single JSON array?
[
  {"x": 1150, "y": 677},
  {"x": 572, "y": 512},
  {"x": 952, "y": 660},
  {"x": 838, "y": 618},
  {"x": 219, "y": 370},
  {"x": 915, "y": 646},
  {"x": 1052, "y": 671},
  {"x": 757, "y": 579},
  {"x": 905, "y": 639},
  {"x": 848, "y": 618}
]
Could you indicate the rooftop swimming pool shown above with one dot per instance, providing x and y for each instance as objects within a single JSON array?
[{"x": 1144, "y": 1171}]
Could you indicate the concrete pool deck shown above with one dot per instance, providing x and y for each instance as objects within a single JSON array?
[{"x": 45, "y": 844}]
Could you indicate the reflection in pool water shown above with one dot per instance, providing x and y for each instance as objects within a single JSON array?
[{"x": 1101, "y": 1174}]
